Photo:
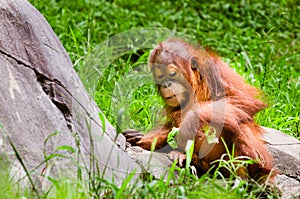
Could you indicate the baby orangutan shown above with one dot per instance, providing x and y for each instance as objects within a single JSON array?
[{"x": 204, "y": 96}]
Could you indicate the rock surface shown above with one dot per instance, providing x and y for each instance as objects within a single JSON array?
[
  {"x": 286, "y": 152},
  {"x": 43, "y": 104}
]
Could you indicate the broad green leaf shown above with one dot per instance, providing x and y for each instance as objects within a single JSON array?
[
  {"x": 171, "y": 137},
  {"x": 211, "y": 135},
  {"x": 189, "y": 150}
]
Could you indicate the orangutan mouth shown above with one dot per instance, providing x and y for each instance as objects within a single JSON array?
[{"x": 171, "y": 97}]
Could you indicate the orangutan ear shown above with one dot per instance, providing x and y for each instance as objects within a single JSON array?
[{"x": 213, "y": 79}]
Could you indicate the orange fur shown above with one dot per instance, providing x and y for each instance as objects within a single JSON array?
[{"x": 215, "y": 97}]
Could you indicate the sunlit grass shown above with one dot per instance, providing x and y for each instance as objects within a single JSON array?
[{"x": 266, "y": 32}]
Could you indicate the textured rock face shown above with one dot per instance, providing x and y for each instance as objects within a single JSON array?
[
  {"x": 286, "y": 152},
  {"x": 43, "y": 104}
]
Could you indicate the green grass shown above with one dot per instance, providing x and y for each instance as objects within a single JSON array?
[{"x": 260, "y": 39}]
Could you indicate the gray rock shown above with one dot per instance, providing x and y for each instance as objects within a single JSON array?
[
  {"x": 154, "y": 163},
  {"x": 44, "y": 106},
  {"x": 286, "y": 152}
]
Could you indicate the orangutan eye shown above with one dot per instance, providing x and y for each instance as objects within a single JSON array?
[
  {"x": 158, "y": 73},
  {"x": 194, "y": 63},
  {"x": 172, "y": 73},
  {"x": 171, "y": 70},
  {"x": 159, "y": 76}
]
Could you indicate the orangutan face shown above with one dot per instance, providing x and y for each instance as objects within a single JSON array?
[{"x": 172, "y": 85}]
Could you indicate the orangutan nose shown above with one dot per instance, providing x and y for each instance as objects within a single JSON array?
[{"x": 167, "y": 84}]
